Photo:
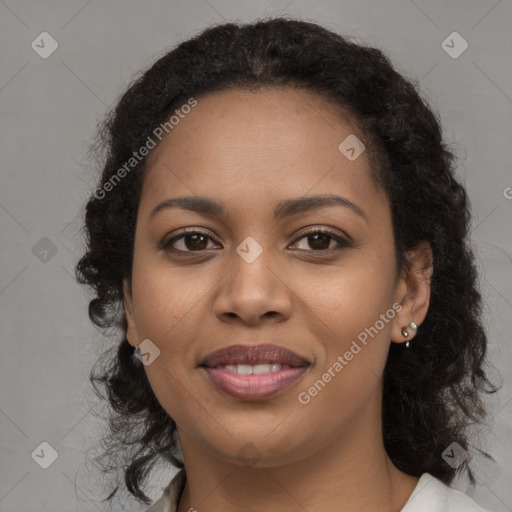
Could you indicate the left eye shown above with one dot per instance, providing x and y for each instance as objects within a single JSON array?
[
  {"x": 320, "y": 240},
  {"x": 197, "y": 241}
]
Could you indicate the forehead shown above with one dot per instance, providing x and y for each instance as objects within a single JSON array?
[{"x": 240, "y": 146}]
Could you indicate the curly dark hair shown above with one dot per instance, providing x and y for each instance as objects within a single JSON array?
[{"x": 432, "y": 390}]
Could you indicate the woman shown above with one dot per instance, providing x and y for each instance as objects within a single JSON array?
[{"x": 301, "y": 330}]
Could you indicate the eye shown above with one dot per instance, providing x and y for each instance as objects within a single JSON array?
[
  {"x": 191, "y": 241},
  {"x": 320, "y": 240}
]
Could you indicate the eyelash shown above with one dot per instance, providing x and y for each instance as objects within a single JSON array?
[{"x": 167, "y": 245}]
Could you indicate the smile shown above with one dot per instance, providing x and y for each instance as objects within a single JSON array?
[{"x": 253, "y": 372}]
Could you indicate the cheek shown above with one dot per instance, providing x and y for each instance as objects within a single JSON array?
[
  {"x": 348, "y": 375},
  {"x": 350, "y": 297},
  {"x": 171, "y": 309},
  {"x": 354, "y": 304},
  {"x": 165, "y": 299}
]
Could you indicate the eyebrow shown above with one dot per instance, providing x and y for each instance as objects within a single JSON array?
[{"x": 283, "y": 209}]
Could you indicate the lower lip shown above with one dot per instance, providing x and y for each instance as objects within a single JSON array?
[{"x": 253, "y": 387}]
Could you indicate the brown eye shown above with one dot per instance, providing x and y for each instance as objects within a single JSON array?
[
  {"x": 320, "y": 240},
  {"x": 191, "y": 241}
]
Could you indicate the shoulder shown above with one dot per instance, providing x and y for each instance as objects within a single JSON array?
[{"x": 433, "y": 495}]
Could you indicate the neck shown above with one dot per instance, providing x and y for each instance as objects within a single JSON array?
[{"x": 350, "y": 474}]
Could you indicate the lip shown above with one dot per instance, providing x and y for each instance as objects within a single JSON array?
[
  {"x": 253, "y": 354},
  {"x": 253, "y": 386}
]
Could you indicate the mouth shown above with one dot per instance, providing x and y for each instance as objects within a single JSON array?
[
  {"x": 254, "y": 369},
  {"x": 253, "y": 372},
  {"x": 254, "y": 359}
]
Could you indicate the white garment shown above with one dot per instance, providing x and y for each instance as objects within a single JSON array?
[{"x": 429, "y": 495}]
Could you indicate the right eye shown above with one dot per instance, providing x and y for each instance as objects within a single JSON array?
[{"x": 191, "y": 241}]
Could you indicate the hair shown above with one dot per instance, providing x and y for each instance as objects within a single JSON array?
[{"x": 433, "y": 390}]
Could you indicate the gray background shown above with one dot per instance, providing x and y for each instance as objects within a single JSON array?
[{"x": 49, "y": 109}]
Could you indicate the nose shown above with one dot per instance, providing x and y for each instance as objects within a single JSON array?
[{"x": 254, "y": 292}]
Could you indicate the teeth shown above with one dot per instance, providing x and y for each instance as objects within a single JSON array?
[
  {"x": 256, "y": 369},
  {"x": 260, "y": 368},
  {"x": 244, "y": 369}
]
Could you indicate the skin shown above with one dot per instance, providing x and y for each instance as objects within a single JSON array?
[{"x": 251, "y": 150}]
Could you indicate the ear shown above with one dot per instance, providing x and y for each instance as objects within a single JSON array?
[
  {"x": 413, "y": 292},
  {"x": 132, "y": 334}
]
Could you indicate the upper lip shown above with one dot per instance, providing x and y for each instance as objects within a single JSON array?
[{"x": 253, "y": 354}]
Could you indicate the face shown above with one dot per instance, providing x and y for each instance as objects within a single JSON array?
[{"x": 246, "y": 276}]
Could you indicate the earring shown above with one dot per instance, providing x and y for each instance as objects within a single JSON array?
[{"x": 405, "y": 334}]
